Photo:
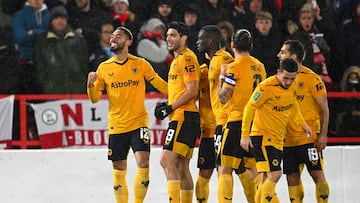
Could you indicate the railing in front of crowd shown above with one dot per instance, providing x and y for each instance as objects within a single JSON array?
[{"x": 24, "y": 142}]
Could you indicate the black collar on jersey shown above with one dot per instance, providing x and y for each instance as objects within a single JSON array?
[{"x": 122, "y": 62}]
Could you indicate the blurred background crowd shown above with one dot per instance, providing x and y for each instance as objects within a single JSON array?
[{"x": 49, "y": 46}]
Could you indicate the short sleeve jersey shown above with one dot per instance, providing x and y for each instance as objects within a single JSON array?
[
  {"x": 206, "y": 113},
  {"x": 242, "y": 75},
  {"x": 183, "y": 69},
  {"x": 271, "y": 106},
  {"x": 308, "y": 86},
  {"x": 125, "y": 86},
  {"x": 220, "y": 58}
]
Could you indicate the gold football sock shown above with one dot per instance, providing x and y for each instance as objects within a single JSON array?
[
  {"x": 258, "y": 193},
  {"x": 296, "y": 193},
  {"x": 268, "y": 194},
  {"x": 141, "y": 184},
  {"x": 202, "y": 189},
  {"x": 322, "y": 192},
  {"x": 248, "y": 185},
  {"x": 225, "y": 188},
  {"x": 120, "y": 186},
  {"x": 174, "y": 191},
  {"x": 186, "y": 196}
]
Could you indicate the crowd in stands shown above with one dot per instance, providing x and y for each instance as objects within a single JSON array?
[{"x": 49, "y": 46}]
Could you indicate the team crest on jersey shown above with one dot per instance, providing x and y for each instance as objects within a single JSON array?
[
  {"x": 256, "y": 96},
  {"x": 301, "y": 85},
  {"x": 134, "y": 70}
]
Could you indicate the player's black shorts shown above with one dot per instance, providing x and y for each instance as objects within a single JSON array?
[
  {"x": 206, "y": 156},
  {"x": 231, "y": 153},
  {"x": 181, "y": 134},
  {"x": 119, "y": 144},
  {"x": 268, "y": 158},
  {"x": 304, "y": 154},
  {"x": 217, "y": 138}
]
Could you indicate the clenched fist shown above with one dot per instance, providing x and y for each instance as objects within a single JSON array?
[{"x": 92, "y": 77}]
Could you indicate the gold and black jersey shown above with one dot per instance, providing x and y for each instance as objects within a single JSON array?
[
  {"x": 242, "y": 75},
  {"x": 308, "y": 86},
  {"x": 124, "y": 83},
  {"x": 207, "y": 116},
  {"x": 183, "y": 69},
  {"x": 269, "y": 110},
  {"x": 220, "y": 58}
]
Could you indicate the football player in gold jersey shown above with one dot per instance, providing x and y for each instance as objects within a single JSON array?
[
  {"x": 123, "y": 77},
  {"x": 206, "y": 153},
  {"x": 235, "y": 88},
  {"x": 265, "y": 118},
  {"x": 298, "y": 150},
  {"x": 208, "y": 43},
  {"x": 184, "y": 125}
]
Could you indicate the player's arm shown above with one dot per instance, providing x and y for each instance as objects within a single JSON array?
[
  {"x": 249, "y": 112},
  {"x": 159, "y": 84},
  {"x": 299, "y": 120},
  {"x": 94, "y": 89},
  {"x": 225, "y": 91},
  {"x": 322, "y": 102},
  {"x": 192, "y": 89}
]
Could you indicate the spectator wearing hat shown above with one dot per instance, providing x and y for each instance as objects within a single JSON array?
[
  {"x": 28, "y": 23},
  {"x": 227, "y": 31},
  {"x": 153, "y": 47},
  {"x": 61, "y": 57},
  {"x": 122, "y": 16}
]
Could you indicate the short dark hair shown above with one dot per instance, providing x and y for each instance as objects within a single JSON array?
[
  {"x": 297, "y": 48},
  {"x": 213, "y": 31},
  {"x": 127, "y": 31},
  {"x": 243, "y": 40},
  {"x": 289, "y": 65},
  {"x": 180, "y": 27}
]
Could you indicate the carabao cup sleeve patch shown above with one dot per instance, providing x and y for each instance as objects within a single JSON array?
[{"x": 256, "y": 96}]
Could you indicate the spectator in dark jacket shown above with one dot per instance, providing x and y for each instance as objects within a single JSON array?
[
  {"x": 85, "y": 16},
  {"x": 102, "y": 51},
  {"x": 267, "y": 42},
  {"x": 348, "y": 46},
  {"x": 61, "y": 57},
  {"x": 7, "y": 55}
]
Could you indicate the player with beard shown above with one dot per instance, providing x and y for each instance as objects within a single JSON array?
[
  {"x": 184, "y": 125},
  {"x": 123, "y": 77}
]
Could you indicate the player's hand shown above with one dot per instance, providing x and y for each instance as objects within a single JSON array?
[
  {"x": 307, "y": 130},
  {"x": 92, "y": 77},
  {"x": 321, "y": 142},
  {"x": 162, "y": 111},
  {"x": 245, "y": 143}
]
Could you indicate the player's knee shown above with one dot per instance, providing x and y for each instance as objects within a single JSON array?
[
  {"x": 274, "y": 176},
  {"x": 119, "y": 165},
  {"x": 293, "y": 179},
  {"x": 206, "y": 173},
  {"x": 318, "y": 176}
]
